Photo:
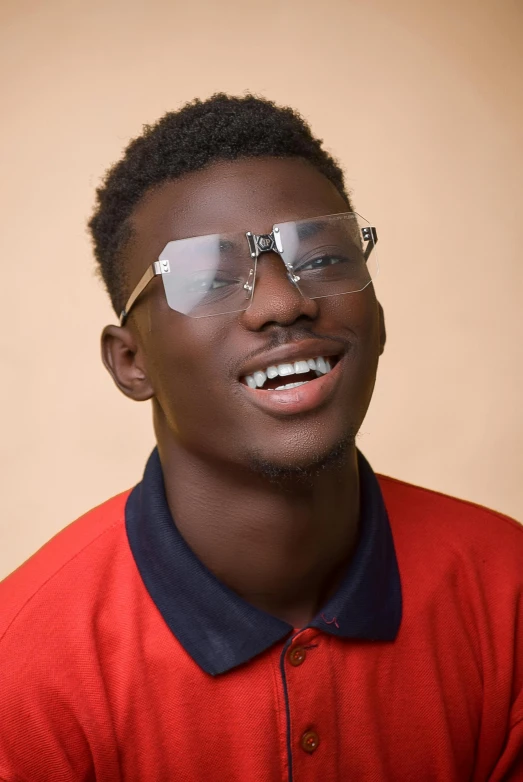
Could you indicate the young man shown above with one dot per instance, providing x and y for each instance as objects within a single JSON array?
[{"x": 261, "y": 607}]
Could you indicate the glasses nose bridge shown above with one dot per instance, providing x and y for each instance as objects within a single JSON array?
[
  {"x": 275, "y": 293},
  {"x": 262, "y": 243},
  {"x": 270, "y": 243}
]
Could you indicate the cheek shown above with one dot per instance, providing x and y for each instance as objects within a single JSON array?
[
  {"x": 183, "y": 365},
  {"x": 357, "y": 314}
]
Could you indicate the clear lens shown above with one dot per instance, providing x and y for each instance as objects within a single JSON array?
[
  {"x": 210, "y": 275},
  {"x": 328, "y": 254}
]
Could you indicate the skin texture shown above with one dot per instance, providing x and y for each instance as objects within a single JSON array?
[{"x": 269, "y": 502}]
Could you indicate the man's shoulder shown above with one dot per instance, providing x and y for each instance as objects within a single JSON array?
[
  {"x": 422, "y": 517},
  {"x": 75, "y": 555}
]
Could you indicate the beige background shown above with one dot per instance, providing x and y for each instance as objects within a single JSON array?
[{"x": 422, "y": 103}]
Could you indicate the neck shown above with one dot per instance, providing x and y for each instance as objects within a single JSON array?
[{"x": 282, "y": 545}]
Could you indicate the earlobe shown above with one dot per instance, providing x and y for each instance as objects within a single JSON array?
[
  {"x": 383, "y": 333},
  {"x": 120, "y": 355}
]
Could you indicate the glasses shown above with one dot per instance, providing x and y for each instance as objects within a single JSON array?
[{"x": 216, "y": 274}]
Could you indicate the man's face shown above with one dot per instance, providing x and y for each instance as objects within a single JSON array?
[{"x": 196, "y": 367}]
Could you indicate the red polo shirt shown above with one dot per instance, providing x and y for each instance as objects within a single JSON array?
[{"x": 123, "y": 658}]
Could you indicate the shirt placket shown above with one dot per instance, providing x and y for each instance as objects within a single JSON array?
[{"x": 310, "y": 708}]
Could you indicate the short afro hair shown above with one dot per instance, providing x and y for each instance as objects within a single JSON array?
[{"x": 200, "y": 133}]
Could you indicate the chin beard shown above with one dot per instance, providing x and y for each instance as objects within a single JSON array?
[{"x": 284, "y": 474}]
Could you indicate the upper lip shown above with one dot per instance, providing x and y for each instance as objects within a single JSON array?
[{"x": 294, "y": 351}]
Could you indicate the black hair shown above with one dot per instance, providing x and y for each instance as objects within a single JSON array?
[{"x": 201, "y": 132}]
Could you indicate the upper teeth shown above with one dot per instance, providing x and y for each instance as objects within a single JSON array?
[{"x": 319, "y": 365}]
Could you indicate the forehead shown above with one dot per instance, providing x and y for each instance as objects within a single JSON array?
[{"x": 240, "y": 195}]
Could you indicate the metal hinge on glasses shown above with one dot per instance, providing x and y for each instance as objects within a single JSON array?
[{"x": 369, "y": 235}]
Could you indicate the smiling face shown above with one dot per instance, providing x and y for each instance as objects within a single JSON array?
[{"x": 198, "y": 370}]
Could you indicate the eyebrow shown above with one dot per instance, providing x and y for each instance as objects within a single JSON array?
[
  {"x": 226, "y": 244},
  {"x": 307, "y": 230}
]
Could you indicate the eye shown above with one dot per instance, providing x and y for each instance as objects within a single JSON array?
[
  {"x": 216, "y": 284},
  {"x": 202, "y": 283},
  {"x": 322, "y": 262}
]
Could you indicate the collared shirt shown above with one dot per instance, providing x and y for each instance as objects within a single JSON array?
[
  {"x": 123, "y": 658},
  {"x": 218, "y": 628}
]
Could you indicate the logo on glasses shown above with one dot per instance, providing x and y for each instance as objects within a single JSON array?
[{"x": 265, "y": 242}]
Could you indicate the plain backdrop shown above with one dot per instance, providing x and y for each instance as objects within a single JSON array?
[{"x": 422, "y": 104}]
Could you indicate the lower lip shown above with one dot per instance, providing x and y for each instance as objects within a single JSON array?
[{"x": 297, "y": 400}]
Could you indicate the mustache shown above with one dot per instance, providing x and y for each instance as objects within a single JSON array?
[
  {"x": 289, "y": 335},
  {"x": 293, "y": 334}
]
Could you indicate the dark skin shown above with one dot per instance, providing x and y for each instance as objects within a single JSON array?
[{"x": 282, "y": 544}]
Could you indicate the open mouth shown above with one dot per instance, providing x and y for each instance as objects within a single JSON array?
[{"x": 282, "y": 377}]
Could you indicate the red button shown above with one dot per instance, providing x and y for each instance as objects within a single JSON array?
[
  {"x": 310, "y": 741},
  {"x": 297, "y": 655}
]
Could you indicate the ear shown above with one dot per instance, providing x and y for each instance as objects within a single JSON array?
[
  {"x": 122, "y": 359},
  {"x": 383, "y": 333}
]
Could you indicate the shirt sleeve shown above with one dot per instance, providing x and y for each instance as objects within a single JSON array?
[
  {"x": 42, "y": 728},
  {"x": 37, "y": 745}
]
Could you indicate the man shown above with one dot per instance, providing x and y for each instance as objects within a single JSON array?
[{"x": 261, "y": 606}]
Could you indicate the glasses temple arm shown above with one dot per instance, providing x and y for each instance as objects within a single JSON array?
[{"x": 152, "y": 271}]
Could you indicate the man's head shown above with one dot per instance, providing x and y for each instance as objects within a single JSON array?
[{"x": 231, "y": 165}]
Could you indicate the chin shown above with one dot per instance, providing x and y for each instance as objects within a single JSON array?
[{"x": 303, "y": 464}]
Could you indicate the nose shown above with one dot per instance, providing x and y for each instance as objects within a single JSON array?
[{"x": 276, "y": 298}]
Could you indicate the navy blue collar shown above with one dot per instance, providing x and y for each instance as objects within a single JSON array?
[{"x": 218, "y": 628}]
